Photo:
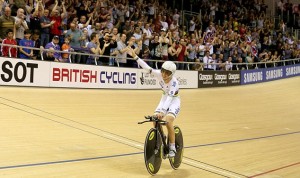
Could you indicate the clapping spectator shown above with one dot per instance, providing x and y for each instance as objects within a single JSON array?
[
  {"x": 21, "y": 24},
  {"x": 46, "y": 25}
]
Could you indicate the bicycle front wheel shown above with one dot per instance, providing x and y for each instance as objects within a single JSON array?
[{"x": 153, "y": 151}]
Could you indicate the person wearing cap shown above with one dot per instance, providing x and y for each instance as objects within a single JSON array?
[
  {"x": 54, "y": 44},
  {"x": 26, "y": 53}
]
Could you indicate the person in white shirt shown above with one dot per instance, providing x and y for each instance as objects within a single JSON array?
[
  {"x": 169, "y": 105},
  {"x": 228, "y": 64},
  {"x": 21, "y": 24},
  {"x": 147, "y": 34},
  {"x": 208, "y": 61}
]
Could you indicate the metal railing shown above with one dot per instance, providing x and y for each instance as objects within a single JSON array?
[{"x": 246, "y": 66}]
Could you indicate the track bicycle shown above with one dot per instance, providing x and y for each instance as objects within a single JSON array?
[{"x": 156, "y": 146}]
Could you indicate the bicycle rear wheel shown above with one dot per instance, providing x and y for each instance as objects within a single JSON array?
[
  {"x": 153, "y": 151},
  {"x": 176, "y": 161}
]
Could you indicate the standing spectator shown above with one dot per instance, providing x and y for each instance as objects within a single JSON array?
[
  {"x": 37, "y": 44},
  {"x": 75, "y": 35},
  {"x": 156, "y": 48},
  {"x": 8, "y": 51},
  {"x": 164, "y": 22},
  {"x": 182, "y": 53},
  {"x": 137, "y": 50},
  {"x": 26, "y": 53},
  {"x": 67, "y": 48},
  {"x": 6, "y": 22},
  {"x": 106, "y": 43},
  {"x": 94, "y": 48},
  {"x": 46, "y": 24},
  {"x": 192, "y": 50},
  {"x": 228, "y": 64},
  {"x": 121, "y": 11},
  {"x": 164, "y": 41},
  {"x": 147, "y": 34},
  {"x": 172, "y": 52},
  {"x": 35, "y": 23},
  {"x": 123, "y": 49},
  {"x": 56, "y": 28},
  {"x": 192, "y": 25},
  {"x": 21, "y": 24},
  {"x": 208, "y": 61}
]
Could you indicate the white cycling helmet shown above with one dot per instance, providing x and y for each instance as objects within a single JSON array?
[{"x": 169, "y": 66}]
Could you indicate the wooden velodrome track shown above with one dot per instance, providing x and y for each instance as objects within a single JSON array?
[{"x": 245, "y": 131}]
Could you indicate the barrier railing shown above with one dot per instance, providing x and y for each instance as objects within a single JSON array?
[{"x": 246, "y": 66}]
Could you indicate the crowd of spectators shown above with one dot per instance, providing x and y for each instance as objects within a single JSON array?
[{"x": 226, "y": 32}]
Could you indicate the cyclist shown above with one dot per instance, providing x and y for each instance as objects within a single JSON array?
[{"x": 169, "y": 105}]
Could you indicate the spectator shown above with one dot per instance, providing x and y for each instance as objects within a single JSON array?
[
  {"x": 57, "y": 18},
  {"x": 208, "y": 62},
  {"x": 137, "y": 50},
  {"x": 21, "y": 24},
  {"x": 46, "y": 24},
  {"x": 55, "y": 45},
  {"x": 35, "y": 23},
  {"x": 8, "y": 51},
  {"x": 228, "y": 64},
  {"x": 26, "y": 53},
  {"x": 182, "y": 53},
  {"x": 37, "y": 44},
  {"x": 106, "y": 44},
  {"x": 192, "y": 52},
  {"x": 94, "y": 48},
  {"x": 123, "y": 49},
  {"x": 49, "y": 55},
  {"x": 75, "y": 35},
  {"x": 172, "y": 52},
  {"x": 164, "y": 41},
  {"x": 147, "y": 34},
  {"x": 3, "y": 4},
  {"x": 67, "y": 48},
  {"x": 6, "y": 22}
]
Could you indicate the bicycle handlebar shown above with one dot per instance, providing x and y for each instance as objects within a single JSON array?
[{"x": 153, "y": 119}]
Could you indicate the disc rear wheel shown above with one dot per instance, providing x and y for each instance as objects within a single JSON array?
[{"x": 176, "y": 161}]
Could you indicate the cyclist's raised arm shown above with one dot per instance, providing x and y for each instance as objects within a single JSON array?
[{"x": 142, "y": 63}]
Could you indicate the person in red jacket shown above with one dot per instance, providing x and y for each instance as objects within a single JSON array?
[{"x": 8, "y": 51}]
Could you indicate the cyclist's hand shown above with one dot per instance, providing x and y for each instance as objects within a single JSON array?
[{"x": 160, "y": 115}]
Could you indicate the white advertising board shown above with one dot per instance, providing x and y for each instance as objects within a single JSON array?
[
  {"x": 22, "y": 72},
  {"x": 186, "y": 79},
  {"x": 87, "y": 76}
]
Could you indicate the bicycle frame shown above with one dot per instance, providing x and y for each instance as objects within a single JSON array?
[{"x": 158, "y": 127}]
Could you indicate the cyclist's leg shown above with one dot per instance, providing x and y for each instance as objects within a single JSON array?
[{"x": 170, "y": 120}]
